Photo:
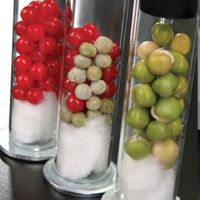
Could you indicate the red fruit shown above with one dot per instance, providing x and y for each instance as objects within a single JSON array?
[
  {"x": 74, "y": 104},
  {"x": 38, "y": 71},
  {"x": 68, "y": 68},
  {"x": 37, "y": 56},
  {"x": 110, "y": 73},
  {"x": 91, "y": 31},
  {"x": 75, "y": 37},
  {"x": 68, "y": 85},
  {"x": 58, "y": 50},
  {"x": 24, "y": 81},
  {"x": 36, "y": 4},
  {"x": 30, "y": 14},
  {"x": 49, "y": 9},
  {"x": 35, "y": 32},
  {"x": 18, "y": 93},
  {"x": 53, "y": 67},
  {"x": 110, "y": 91},
  {"x": 16, "y": 73},
  {"x": 59, "y": 35},
  {"x": 53, "y": 26},
  {"x": 34, "y": 95},
  {"x": 20, "y": 28},
  {"x": 69, "y": 58},
  {"x": 47, "y": 45},
  {"x": 22, "y": 63},
  {"x": 48, "y": 84},
  {"x": 115, "y": 51},
  {"x": 24, "y": 45}
]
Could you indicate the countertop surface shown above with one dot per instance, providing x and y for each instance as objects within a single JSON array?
[{"x": 21, "y": 180}]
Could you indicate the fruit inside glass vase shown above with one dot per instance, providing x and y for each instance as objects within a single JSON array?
[
  {"x": 87, "y": 103},
  {"x": 37, "y": 66},
  {"x": 154, "y": 120}
]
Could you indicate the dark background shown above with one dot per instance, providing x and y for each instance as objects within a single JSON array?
[{"x": 21, "y": 180}]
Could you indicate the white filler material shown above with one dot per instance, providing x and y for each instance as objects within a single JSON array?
[
  {"x": 83, "y": 150},
  {"x": 146, "y": 179},
  {"x": 34, "y": 123}
]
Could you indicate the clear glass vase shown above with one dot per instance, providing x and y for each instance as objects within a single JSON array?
[
  {"x": 93, "y": 61},
  {"x": 37, "y": 49},
  {"x": 156, "y": 103}
]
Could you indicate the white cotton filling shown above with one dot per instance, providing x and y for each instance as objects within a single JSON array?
[
  {"x": 83, "y": 150},
  {"x": 34, "y": 123},
  {"x": 145, "y": 179}
]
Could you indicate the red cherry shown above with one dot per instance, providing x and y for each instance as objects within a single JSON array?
[
  {"x": 38, "y": 71},
  {"x": 110, "y": 73},
  {"x": 24, "y": 81},
  {"x": 115, "y": 51},
  {"x": 49, "y": 9},
  {"x": 35, "y": 32},
  {"x": 92, "y": 32},
  {"x": 22, "y": 63},
  {"x": 20, "y": 28},
  {"x": 53, "y": 26},
  {"x": 68, "y": 85},
  {"x": 69, "y": 58},
  {"x": 36, "y": 4},
  {"x": 53, "y": 67},
  {"x": 48, "y": 84},
  {"x": 37, "y": 56},
  {"x": 24, "y": 45},
  {"x": 58, "y": 50},
  {"x": 30, "y": 14},
  {"x": 18, "y": 93},
  {"x": 34, "y": 95},
  {"x": 75, "y": 37},
  {"x": 16, "y": 73},
  {"x": 60, "y": 34},
  {"x": 47, "y": 45},
  {"x": 68, "y": 68},
  {"x": 74, "y": 104},
  {"x": 110, "y": 91}
]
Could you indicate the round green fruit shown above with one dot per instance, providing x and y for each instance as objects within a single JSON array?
[
  {"x": 157, "y": 131},
  {"x": 181, "y": 43},
  {"x": 143, "y": 95},
  {"x": 162, "y": 34},
  {"x": 141, "y": 72},
  {"x": 180, "y": 64},
  {"x": 168, "y": 109},
  {"x": 160, "y": 62},
  {"x": 78, "y": 119},
  {"x": 176, "y": 127},
  {"x": 182, "y": 88},
  {"x": 137, "y": 117},
  {"x": 146, "y": 48},
  {"x": 137, "y": 147},
  {"x": 166, "y": 152},
  {"x": 165, "y": 85}
]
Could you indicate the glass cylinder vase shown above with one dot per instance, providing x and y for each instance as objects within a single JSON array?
[
  {"x": 37, "y": 49},
  {"x": 94, "y": 33},
  {"x": 156, "y": 104}
]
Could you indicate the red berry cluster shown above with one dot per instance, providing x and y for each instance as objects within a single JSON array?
[
  {"x": 37, "y": 67},
  {"x": 74, "y": 38}
]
